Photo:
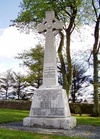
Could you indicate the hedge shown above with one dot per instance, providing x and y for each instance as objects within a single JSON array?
[
  {"x": 18, "y": 105},
  {"x": 76, "y": 108},
  {"x": 81, "y": 108}
]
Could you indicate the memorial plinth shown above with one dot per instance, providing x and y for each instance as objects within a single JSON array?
[{"x": 50, "y": 108}]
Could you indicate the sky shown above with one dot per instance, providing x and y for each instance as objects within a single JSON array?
[
  {"x": 13, "y": 41},
  {"x": 8, "y": 10}
]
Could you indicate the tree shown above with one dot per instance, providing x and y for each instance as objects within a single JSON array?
[
  {"x": 66, "y": 11},
  {"x": 6, "y": 81},
  {"x": 19, "y": 85},
  {"x": 95, "y": 53},
  {"x": 33, "y": 59},
  {"x": 79, "y": 78},
  {"x": 96, "y": 47}
]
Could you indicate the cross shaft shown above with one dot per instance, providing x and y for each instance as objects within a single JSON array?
[{"x": 50, "y": 28}]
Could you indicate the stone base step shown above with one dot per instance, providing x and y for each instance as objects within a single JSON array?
[{"x": 56, "y": 123}]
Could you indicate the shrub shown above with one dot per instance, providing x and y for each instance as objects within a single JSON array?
[{"x": 75, "y": 108}]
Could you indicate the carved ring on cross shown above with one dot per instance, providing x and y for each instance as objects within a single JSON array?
[
  {"x": 50, "y": 24},
  {"x": 49, "y": 27}
]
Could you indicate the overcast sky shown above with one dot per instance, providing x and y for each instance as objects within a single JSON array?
[{"x": 13, "y": 42}]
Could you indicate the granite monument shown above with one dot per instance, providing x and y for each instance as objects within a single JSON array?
[{"x": 50, "y": 108}]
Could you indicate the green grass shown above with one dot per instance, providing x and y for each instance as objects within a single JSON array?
[
  {"x": 8, "y": 115},
  {"x": 87, "y": 120},
  {"x": 29, "y": 135}
]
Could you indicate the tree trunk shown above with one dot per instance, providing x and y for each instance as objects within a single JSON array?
[
  {"x": 6, "y": 94},
  {"x": 18, "y": 91},
  {"x": 96, "y": 111},
  {"x": 96, "y": 98},
  {"x": 67, "y": 77},
  {"x": 63, "y": 68},
  {"x": 69, "y": 61},
  {"x": 69, "y": 30}
]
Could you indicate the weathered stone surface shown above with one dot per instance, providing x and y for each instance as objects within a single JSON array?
[
  {"x": 50, "y": 28},
  {"x": 50, "y": 103},
  {"x": 50, "y": 108},
  {"x": 57, "y": 123}
]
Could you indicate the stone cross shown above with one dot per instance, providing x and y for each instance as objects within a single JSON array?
[
  {"x": 50, "y": 106},
  {"x": 50, "y": 28}
]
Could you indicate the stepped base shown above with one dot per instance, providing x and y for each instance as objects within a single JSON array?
[{"x": 57, "y": 123}]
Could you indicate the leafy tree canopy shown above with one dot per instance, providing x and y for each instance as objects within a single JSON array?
[
  {"x": 33, "y": 59},
  {"x": 34, "y": 11}
]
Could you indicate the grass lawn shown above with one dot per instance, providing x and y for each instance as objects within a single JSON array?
[
  {"x": 87, "y": 120},
  {"x": 8, "y": 115},
  {"x": 29, "y": 135}
]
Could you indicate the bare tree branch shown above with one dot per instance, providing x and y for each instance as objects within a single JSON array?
[
  {"x": 94, "y": 8},
  {"x": 90, "y": 56}
]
